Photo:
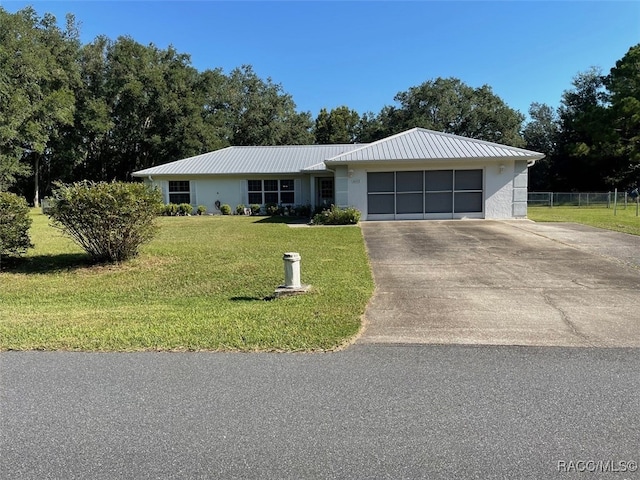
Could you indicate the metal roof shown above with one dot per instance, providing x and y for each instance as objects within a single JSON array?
[
  {"x": 413, "y": 145},
  {"x": 252, "y": 160},
  {"x": 423, "y": 144}
]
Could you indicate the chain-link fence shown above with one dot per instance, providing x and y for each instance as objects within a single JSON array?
[{"x": 582, "y": 199}]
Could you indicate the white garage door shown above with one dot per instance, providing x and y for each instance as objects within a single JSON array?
[{"x": 425, "y": 194}]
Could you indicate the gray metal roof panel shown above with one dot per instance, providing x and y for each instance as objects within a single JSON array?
[
  {"x": 420, "y": 144},
  {"x": 317, "y": 167},
  {"x": 254, "y": 160}
]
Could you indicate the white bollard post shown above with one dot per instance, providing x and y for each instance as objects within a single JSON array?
[{"x": 291, "y": 270}]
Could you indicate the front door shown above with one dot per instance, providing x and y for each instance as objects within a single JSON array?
[{"x": 325, "y": 193}]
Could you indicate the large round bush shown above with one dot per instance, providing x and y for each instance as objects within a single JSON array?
[
  {"x": 14, "y": 226},
  {"x": 110, "y": 221}
]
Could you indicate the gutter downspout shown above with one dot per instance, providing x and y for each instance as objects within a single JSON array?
[{"x": 531, "y": 163}]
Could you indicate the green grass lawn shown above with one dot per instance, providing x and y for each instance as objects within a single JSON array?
[
  {"x": 625, "y": 220},
  {"x": 200, "y": 285}
]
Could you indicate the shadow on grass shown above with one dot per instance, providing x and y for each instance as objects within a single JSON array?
[
  {"x": 47, "y": 263},
  {"x": 285, "y": 220},
  {"x": 251, "y": 299}
]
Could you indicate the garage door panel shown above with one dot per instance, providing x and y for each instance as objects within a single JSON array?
[
  {"x": 468, "y": 202},
  {"x": 380, "y": 182},
  {"x": 425, "y": 194},
  {"x": 438, "y": 180},
  {"x": 468, "y": 180},
  {"x": 439, "y": 203},
  {"x": 409, "y": 181},
  {"x": 381, "y": 203},
  {"x": 409, "y": 203}
]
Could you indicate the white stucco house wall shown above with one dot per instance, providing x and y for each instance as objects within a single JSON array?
[{"x": 416, "y": 174}]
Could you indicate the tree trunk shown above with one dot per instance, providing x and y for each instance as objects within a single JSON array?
[{"x": 36, "y": 194}]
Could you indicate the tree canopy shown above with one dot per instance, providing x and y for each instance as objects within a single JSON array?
[
  {"x": 449, "y": 105},
  {"x": 105, "y": 109},
  {"x": 593, "y": 139}
]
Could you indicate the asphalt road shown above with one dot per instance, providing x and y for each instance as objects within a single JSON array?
[{"x": 371, "y": 411}]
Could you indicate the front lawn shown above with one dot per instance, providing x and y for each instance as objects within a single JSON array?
[
  {"x": 625, "y": 220},
  {"x": 200, "y": 285}
]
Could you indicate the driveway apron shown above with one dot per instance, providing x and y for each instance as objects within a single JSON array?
[{"x": 502, "y": 283}]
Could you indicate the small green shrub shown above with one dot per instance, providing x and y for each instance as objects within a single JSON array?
[
  {"x": 170, "y": 210},
  {"x": 185, "y": 209},
  {"x": 273, "y": 209},
  {"x": 201, "y": 210},
  {"x": 337, "y": 216},
  {"x": 240, "y": 209},
  {"x": 255, "y": 209},
  {"x": 110, "y": 221},
  {"x": 14, "y": 226},
  {"x": 225, "y": 209}
]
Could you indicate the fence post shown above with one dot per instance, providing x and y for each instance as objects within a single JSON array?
[
  {"x": 615, "y": 202},
  {"x": 551, "y": 204},
  {"x": 608, "y": 199},
  {"x": 625, "y": 200},
  {"x": 579, "y": 198}
]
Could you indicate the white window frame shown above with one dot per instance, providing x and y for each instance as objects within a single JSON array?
[
  {"x": 178, "y": 192},
  {"x": 279, "y": 191}
]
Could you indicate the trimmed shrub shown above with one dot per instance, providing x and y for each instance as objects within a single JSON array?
[
  {"x": 14, "y": 226},
  {"x": 201, "y": 210},
  {"x": 255, "y": 209},
  {"x": 185, "y": 209},
  {"x": 273, "y": 209},
  {"x": 337, "y": 216},
  {"x": 110, "y": 221},
  {"x": 240, "y": 209},
  {"x": 170, "y": 210},
  {"x": 225, "y": 209}
]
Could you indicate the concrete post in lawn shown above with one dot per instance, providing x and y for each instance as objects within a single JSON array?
[
  {"x": 291, "y": 270},
  {"x": 292, "y": 283}
]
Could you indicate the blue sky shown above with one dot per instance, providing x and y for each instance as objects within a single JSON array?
[{"x": 361, "y": 53}]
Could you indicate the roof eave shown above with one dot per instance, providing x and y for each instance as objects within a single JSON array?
[
  {"x": 143, "y": 174},
  {"x": 448, "y": 159}
]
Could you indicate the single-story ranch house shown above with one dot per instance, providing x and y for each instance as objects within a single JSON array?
[{"x": 417, "y": 174}]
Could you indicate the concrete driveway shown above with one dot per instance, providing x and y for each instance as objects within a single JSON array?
[{"x": 502, "y": 283}]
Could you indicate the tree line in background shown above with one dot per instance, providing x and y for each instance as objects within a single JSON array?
[{"x": 103, "y": 110}]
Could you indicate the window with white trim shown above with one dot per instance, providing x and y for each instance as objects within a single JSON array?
[
  {"x": 271, "y": 191},
  {"x": 179, "y": 191}
]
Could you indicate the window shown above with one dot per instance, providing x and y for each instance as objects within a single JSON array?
[
  {"x": 255, "y": 191},
  {"x": 271, "y": 191},
  {"x": 286, "y": 191},
  {"x": 179, "y": 191}
]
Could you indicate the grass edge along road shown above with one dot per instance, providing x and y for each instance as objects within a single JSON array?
[
  {"x": 624, "y": 221},
  {"x": 200, "y": 284}
]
